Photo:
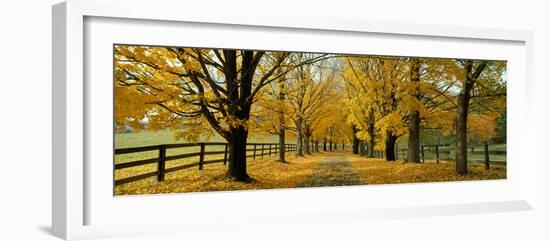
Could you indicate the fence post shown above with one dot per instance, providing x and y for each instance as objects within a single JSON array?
[
  {"x": 437, "y": 154},
  {"x": 225, "y": 155},
  {"x": 486, "y": 147},
  {"x": 262, "y": 151},
  {"x": 269, "y": 150},
  {"x": 422, "y": 152},
  {"x": 161, "y": 163},
  {"x": 254, "y": 152},
  {"x": 201, "y": 157}
]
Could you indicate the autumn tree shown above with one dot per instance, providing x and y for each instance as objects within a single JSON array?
[
  {"x": 477, "y": 79},
  {"x": 379, "y": 82},
  {"x": 196, "y": 91},
  {"x": 271, "y": 103},
  {"x": 310, "y": 88},
  {"x": 359, "y": 104},
  {"x": 426, "y": 99},
  {"x": 414, "y": 116}
]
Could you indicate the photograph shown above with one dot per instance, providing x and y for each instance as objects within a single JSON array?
[{"x": 198, "y": 119}]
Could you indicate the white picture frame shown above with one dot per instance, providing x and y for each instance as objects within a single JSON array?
[{"x": 72, "y": 192}]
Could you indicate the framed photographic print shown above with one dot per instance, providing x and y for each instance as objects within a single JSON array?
[{"x": 205, "y": 122}]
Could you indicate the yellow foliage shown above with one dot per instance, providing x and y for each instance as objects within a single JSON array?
[{"x": 481, "y": 127}]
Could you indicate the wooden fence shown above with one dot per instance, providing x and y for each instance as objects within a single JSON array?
[
  {"x": 258, "y": 150},
  {"x": 437, "y": 151}
]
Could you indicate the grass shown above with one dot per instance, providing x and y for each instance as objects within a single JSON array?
[{"x": 148, "y": 138}]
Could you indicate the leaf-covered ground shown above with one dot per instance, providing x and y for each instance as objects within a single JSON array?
[
  {"x": 321, "y": 169},
  {"x": 333, "y": 171},
  {"x": 268, "y": 173},
  {"x": 379, "y": 171}
]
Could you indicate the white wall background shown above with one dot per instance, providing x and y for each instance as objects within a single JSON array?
[{"x": 25, "y": 120}]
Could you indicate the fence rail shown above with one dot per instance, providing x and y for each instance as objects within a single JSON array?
[
  {"x": 258, "y": 150},
  {"x": 435, "y": 149},
  {"x": 438, "y": 151}
]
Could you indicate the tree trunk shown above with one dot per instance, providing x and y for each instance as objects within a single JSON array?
[
  {"x": 282, "y": 145},
  {"x": 306, "y": 140},
  {"x": 462, "y": 114},
  {"x": 325, "y": 144},
  {"x": 362, "y": 150},
  {"x": 355, "y": 143},
  {"x": 316, "y": 146},
  {"x": 299, "y": 138},
  {"x": 391, "y": 139},
  {"x": 414, "y": 120},
  {"x": 414, "y": 138},
  {"x": 238, "y": 107},
  {"x": 237, "y": 154},
  {"x": 370, "y": 130},
  {"x": 330, "y": 145},
  {"x": 461, "y": 134},
  {"x": 282, "y": 93}
]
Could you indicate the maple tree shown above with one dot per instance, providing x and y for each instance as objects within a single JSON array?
[
  {"x": 375, "y": 83},
  {"x": 311, "y": 89},
  {"x": 195, "y": 91},
  {"x": 481, "y": 85}
]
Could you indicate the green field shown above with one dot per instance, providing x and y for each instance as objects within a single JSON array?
[{"x": 147, "y": 138}]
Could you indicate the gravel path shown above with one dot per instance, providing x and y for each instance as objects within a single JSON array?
[{"x": 333, "y": 171}]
